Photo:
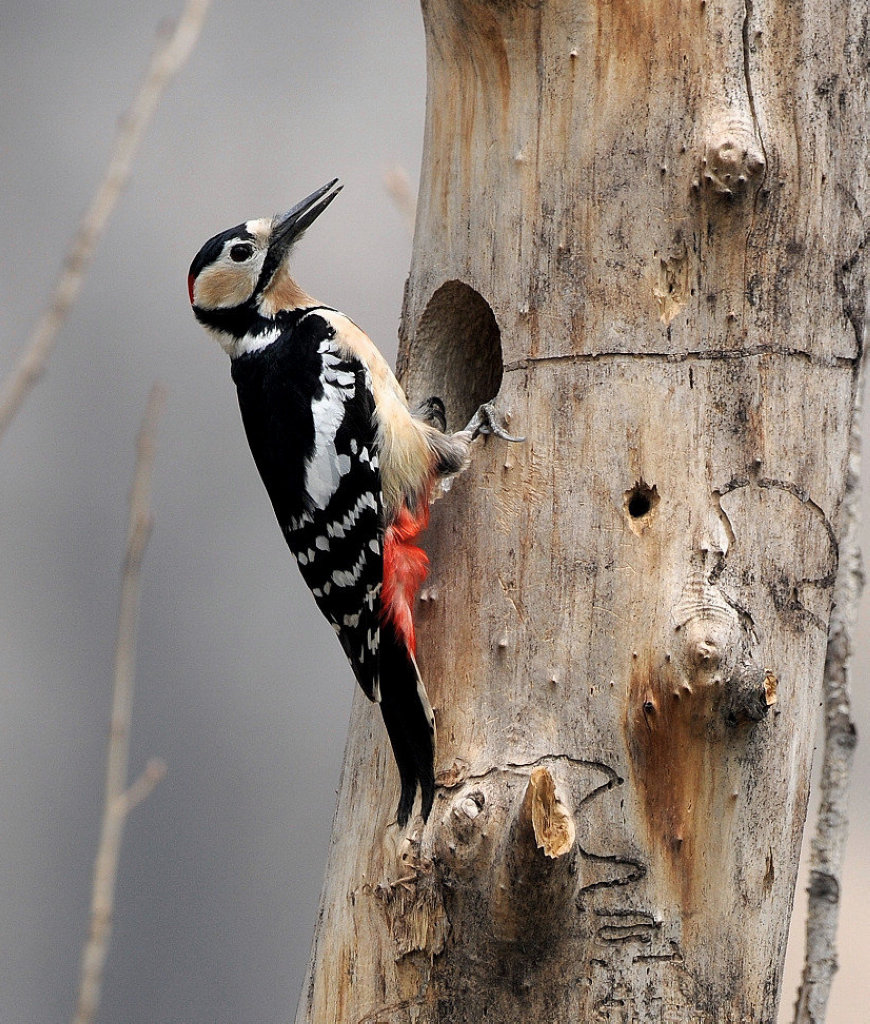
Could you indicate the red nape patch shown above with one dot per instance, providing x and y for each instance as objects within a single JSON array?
[
  {"x": 405, "y": 568},
  {"x": 190, "y": 287}
]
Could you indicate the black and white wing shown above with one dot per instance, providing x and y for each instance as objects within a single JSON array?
[{"x": 338, "y": 537}]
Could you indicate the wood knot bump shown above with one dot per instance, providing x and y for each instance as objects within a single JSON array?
[
  {"x": 469, "y": 806},
  {"x": 466, "y": 821},
  {"x": 705, "y": 652},
  {"x": 754, "y": 694},
  {"x": 732, "y": 159}
]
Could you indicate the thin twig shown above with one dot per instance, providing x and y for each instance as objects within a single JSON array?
[
  {"x": 119, "y": 800},
  {"x": 142, "y": 786},
  {"x": 832, "y": 827},
  {"x": 172, "y": 50},
  {"x": 398, "y": 185}
]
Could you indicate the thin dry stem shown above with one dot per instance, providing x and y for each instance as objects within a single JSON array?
[
  {"x": 143, "y": 786},
  {"x": 120, "y": 800},
  {"x": 832, "y": 826},
  {"x": 172, "y": 50}
]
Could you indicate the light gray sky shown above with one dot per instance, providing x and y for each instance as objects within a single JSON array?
[{"x": 242, "y": 688}]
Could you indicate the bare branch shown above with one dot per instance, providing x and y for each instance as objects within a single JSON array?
[
  {"x": 143, "y": 786},
  {"x": 398, "y": 185},
  {"x": 119, "y": 800},
  {"x": 832, "y": 827},
  {"x": 172, "y": 50}
]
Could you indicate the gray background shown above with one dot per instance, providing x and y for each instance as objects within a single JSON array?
[{"x": 242, "y": 688}]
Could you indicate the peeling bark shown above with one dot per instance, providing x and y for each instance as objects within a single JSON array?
[{"x": 641, "y": 227}]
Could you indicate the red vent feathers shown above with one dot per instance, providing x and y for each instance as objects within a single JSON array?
[{"x": 405, "y": 568}]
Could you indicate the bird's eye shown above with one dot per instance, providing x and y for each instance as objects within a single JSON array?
[{"x": 242, "y": 252}]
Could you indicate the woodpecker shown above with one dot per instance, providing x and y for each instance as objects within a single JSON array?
[{"x": 350, "y": 470}]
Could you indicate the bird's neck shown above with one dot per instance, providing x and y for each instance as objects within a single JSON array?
[
  {"x": 245, "y": 329},
  {"x": 283, "y": 294}
]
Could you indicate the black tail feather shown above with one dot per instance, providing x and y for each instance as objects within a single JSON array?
[{"x": 408, "y": 725}]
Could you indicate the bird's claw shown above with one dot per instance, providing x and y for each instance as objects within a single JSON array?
[{"x": 488, "y": 420}]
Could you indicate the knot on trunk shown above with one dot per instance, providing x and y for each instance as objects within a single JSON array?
[{"x": 732, "y": 159}]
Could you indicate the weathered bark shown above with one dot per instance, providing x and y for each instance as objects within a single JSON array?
[{"x": 640, "y": 224}]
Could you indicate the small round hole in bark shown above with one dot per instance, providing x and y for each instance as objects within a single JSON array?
[
  {"x": 455, "y": 353},
  {"x": 638, "y": 506},
  {"x": 640, "y": 503}
]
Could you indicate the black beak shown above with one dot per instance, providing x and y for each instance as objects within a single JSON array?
[{"x": 290, "y": 226}]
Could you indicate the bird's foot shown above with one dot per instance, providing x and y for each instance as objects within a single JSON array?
[{"x": 488, "y": 420}]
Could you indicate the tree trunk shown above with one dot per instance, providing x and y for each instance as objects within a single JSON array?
[{"x": 640, "y": 225}]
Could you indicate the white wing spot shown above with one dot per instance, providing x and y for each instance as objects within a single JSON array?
[
  {"x": 364, "y": 501},
  {"x": 348, "y": 577}
]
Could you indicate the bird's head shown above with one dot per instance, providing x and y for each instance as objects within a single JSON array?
[{"x": 239, "y": 281}]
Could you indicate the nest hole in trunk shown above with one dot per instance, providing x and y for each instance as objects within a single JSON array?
[{"x": 455, "y": 353}]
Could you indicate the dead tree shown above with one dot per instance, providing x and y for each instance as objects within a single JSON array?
[{"x": 640, "y": 227}]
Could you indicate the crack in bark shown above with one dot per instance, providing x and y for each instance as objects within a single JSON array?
[
  {"x": 756, "y": 127},
  {"x": 636, "y": 875},
  {"x": 527, "y": 362},
  {"x": 750, "y": 96},
  {"x": 613, "y": 777},
  {"x": 769, "y": 483},
  {"x": 824, "y": 582}
]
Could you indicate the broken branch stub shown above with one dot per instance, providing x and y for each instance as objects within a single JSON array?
[{"x": 550, "y": 820}]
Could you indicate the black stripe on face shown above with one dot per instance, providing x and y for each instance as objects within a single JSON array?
[{"x": 212, "y": 249}]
